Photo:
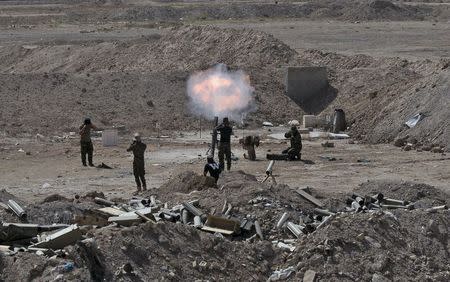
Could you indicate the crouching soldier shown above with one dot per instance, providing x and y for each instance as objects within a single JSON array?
[
  {"x": 138, "y": 149},
  {"x": 293, "y": 152},
  {"x": 213, "y": 168}
]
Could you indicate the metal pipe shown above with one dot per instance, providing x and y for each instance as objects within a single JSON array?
[
  {"x": 184, "y": 216},
  {"x": 17, "y": 209},
  {"x": 224, "y": 208},
  {"x": 153, "y": 200},
  {"x": 282, "y": 220},
  {"x": 409, "y": 207},
  {"x": 389, "y": 201},
  {"x": 323, "y": 212},
  {"x": 270, "y": 168},
  {"x": 435, "y": 209},
  {"x": 258, "y": 230},
  {"x": 104, "y": 202},
  {"x": 326, "y": 219},
  {"x": 294, "y": 228},
  {"x": 227, "y": 212},
  {"x": 198, "y": 222}
]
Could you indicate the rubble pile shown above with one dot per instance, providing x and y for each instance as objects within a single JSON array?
[
  {"x": 191, "y": 229},
  {"x": 378, "y": 246}
]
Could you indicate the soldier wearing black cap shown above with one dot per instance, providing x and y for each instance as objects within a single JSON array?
[
  {"x": 225, "y": 131},
  {"x": 86, "y": 142}
]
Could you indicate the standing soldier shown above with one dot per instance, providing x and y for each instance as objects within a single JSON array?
[
  {"x": 138, "y": 148},
  {"x": 249, "y": 143},
  {"x": 296, "y": 144},
  {"x": 86, "y": 142},
  {"x": 225, "y": 131}
]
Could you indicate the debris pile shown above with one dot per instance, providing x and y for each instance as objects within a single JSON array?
[{"x": 252, "y": 229}]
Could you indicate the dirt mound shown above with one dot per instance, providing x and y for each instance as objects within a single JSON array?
[
  {"x": 154, "y": 252},
  {"x": 371, "y": 247},
  {"x": 136, "y": 84},
  {"x": 366, "y": 10},
  {"x": 380, "y": 94},
  {"x": 423, "y": 195},
  {"x": 187, "y": 182},
  {"x": 187, "y": 48}
]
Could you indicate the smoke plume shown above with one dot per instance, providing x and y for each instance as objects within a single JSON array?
[{"x": 220, "y": 92}]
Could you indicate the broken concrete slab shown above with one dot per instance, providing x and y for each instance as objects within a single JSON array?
[
  {"x": 221, "y": 225},
  {"x": 61, "y": 238},
  {"x": 309, "y": 197},
  {"x": 125, "y": 220},
  {"x": 111, "y": 211},
  {"x": 310, "y": 276}
]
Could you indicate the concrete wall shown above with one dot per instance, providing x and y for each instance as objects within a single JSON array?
[{"x": 306, "y": 83}]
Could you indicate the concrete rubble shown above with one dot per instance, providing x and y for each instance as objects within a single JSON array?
[{"x": 282, "y": 227}]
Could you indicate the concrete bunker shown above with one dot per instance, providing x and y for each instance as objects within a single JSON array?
[{"x": 308, "y": 87}]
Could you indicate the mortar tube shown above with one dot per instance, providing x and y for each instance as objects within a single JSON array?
[
  {"x": 104, "y": 202},
  {"x": 214, "y": 136},
  {"x": 17, "y": 209},
  {"x": 270, "y": 168},
  {"x": 282, "y": 220}
]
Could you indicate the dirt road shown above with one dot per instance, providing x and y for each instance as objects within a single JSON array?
[{"x": 58, "y": 164}]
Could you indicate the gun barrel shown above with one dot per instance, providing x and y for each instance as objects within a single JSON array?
[{"x": 214, "y": 136}]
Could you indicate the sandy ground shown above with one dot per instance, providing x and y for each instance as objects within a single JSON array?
[
  {"x": 58, "y": 164},
  {"x": 404, "y": 39}
]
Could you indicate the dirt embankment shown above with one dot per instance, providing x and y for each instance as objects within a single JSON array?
[{"x": 136, "y": 83}]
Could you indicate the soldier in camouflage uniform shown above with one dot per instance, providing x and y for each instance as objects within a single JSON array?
[
  {"x": 138, "y": 149},
  {"x": 86, "y": 142},
  {"x": 225, "y": 131},
  {"x": 296, "y": 144}
]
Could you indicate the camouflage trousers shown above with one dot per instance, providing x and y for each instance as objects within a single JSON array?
[
  {"x": 86, "y": 149},
  {"x": 139, "y": 175},
  {"x": 224, "y": 152}
]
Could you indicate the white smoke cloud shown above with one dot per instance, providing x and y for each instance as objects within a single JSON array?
[{"x": 220, "y": 92}]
